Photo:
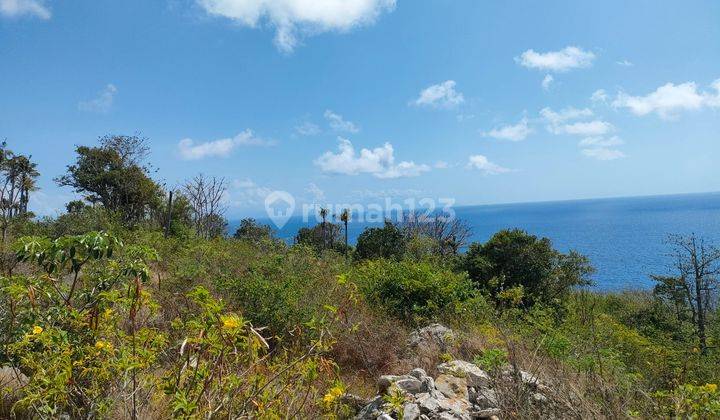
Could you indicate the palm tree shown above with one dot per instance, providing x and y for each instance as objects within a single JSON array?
[
  {"x": 26, "y": 174},
  {"x": 345, "y": 218},
  {"x": 323, "y": 214}
]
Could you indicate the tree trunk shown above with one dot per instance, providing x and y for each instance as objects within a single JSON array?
[{"x": 700, "y": 314}]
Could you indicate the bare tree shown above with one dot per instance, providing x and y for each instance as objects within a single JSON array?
[
  {"x": 205, "y": 195},
  {"x": 698, "y": 265},
  {"x": 450, "y": 234},
  {"x": 133, "y": 150}
]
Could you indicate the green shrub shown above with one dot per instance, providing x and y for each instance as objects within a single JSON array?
[
  {"x": 492, "y": 359},
  {"x": 513, "y": 258},
  {"x": 386, "y": 242},
  {"x": 73, "y": 330},
  {"x": 690, "y": 402},
  {"x": 419, "y": 291}
]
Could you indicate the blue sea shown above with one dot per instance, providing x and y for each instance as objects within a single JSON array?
[{"x": 625, "y": 238}]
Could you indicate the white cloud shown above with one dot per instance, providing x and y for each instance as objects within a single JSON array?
[
  {"x": 17, "y": 8},
  {"x": 599, "y": 96},
  {"x": 316, "y": 192},
  {"x": 482, "y": 163},
  {"x": 189, "y": 150},
  {"x": 385, "y": 193},
  {"x": 245, "y": 193},
  {"x": 307, "y": 129},
  {"x": 601, "y": 141},
  {"x": 559, "y": 122},
  {"x": 565, "y": 114},
  {"x": 102, "y": 103},
  {"x": 441, "y": 164},
  {"x": 603, "y": 153},
  {"x": 547, "y": 81},
  {"x": 516, "y": 132},
  {"x": 442, "y": 95},
  {"x": 339, "y": 124},
  {"x": 714, "y": 100},
  {"x": 294, "y": 18},
  {"x": 583, "y": 128},
  {"x": 559, "y": 61},
  {"x": 624, "y": 63},
  {"x": 669, "y": 100},
  {"x": 380, "y": 162}
]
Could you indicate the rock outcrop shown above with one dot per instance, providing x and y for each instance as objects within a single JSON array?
[{"x": 462, "y": 391}]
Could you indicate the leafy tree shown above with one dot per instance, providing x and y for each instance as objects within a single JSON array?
[
  {"x": 75, "y": 206},
  {"x": 386, "y": 242},
  {"x": 321, "y": 237},
  {"x": 251, "y": 231},
  {"x": 513, "y": 258},
  {"x": 111, "y": 175}
]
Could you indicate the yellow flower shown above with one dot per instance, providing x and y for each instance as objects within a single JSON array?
[
  {"x": 230, "y": 322},
  {"x": 100, "y": 344},
  {"x": 37, "y": 330},
  {"x": 711, "y": 387},
  {"x": 333, "y": 394}
]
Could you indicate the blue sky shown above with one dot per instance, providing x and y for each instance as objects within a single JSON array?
[{"x": 479, "y": 101}]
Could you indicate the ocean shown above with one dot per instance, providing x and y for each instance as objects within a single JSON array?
[{"x": 625, "y": 238}]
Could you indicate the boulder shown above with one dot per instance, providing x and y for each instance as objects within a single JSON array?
[
  {"x": 411, "y": 411},
  {"x": 452, "y": 386},
  {"x": 432, "y": 336},
  {"x": 475, "y": 376}
]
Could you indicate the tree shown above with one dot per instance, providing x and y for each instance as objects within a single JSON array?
[
  {"x": 386, "y": 242},
  {"x": 321, "y": 237},
  {"x": 513, "y": 259},
  {"x": 695, "y": 286},
  {"x": 18, "y": 180},
  {"x": 180, "y": 214},
  {"x": 205, "y": 195},
  {"x": 112, "y": 176},
  {"x": 323, "y": 215},
  {"x": 450, "y": 234},
  {"x": 345, "y": 218},
  {"x": 252, "y": 231},
  {"x": 132, "y": 150}
]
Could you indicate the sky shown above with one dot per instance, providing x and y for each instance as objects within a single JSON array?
[{"x": 357, "y": 100}]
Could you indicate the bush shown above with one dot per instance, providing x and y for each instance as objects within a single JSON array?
[
  {"x": 418, "y": 291},
  {"x": 74, "y": 339},
  {"x": 250, "y": 230},
  {"x": 386, "y": 242},
  {"x": 514, "y": 258}
]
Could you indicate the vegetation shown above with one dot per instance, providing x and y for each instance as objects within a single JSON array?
[
  {"x": 132, "y": 305},
  {"x": 385, "y": 242}
]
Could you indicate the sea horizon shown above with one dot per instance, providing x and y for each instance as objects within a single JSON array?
[{"x": 624, "y": 237}]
